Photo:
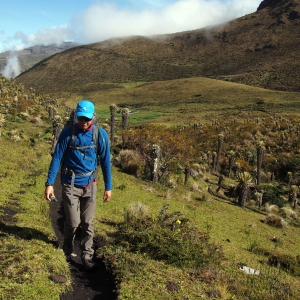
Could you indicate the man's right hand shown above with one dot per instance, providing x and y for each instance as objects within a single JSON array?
[
  {"x": 49, "y": 190},
  {"x": 106, "y": 196}
]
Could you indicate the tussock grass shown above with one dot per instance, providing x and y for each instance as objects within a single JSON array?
[
  {"x": 135, "y": 212},
  {"x": 271, "y": 208},
  {"x": 131, "y": 162},
  {"x": 287, "y": 212},
  {"x": 276, "y": 221}
]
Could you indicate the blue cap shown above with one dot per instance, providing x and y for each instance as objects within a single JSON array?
[{"x": 85, "y": 108}]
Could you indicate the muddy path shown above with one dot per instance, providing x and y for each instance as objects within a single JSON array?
[{"x": 96, "y": 284}]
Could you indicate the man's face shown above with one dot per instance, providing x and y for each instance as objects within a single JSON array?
[{"x": 84, "y": 123}]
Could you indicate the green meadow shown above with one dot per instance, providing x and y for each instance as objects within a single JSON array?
[
  {"x": 184, "y": 101},
  {"x": 163, "y": 241}
]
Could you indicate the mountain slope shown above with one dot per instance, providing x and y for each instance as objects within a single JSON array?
[
  {"x": 258, "y": 49},
  {"x": 28, "y": 57}
]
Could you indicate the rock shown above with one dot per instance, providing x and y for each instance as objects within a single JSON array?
[
  {"x": 58, "y": 278},
  {"x": 36, "y": 121},
  {"x": 249, "y": 271},
  {"x": 268, "y": 3}
]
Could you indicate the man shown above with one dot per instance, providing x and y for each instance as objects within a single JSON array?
[{"x": 75, "y": 152}]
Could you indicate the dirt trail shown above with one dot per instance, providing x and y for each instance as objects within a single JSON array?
[{"x": 97, "y": 284}]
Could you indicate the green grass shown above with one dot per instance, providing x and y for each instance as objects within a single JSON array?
[
  {"x": 184, "y": 101},
  {"x": 27, "y": 264},
  {"x": 229, "y": 226},
  {"x": 28, "y": 257},
  {"x": 132, "y": 85}
]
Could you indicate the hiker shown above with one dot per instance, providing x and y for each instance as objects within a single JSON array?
[{"x": 75, "y": 153}]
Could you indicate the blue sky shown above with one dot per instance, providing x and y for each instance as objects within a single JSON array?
[{"x": 26, "y": 23}]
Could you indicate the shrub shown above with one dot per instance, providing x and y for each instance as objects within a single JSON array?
[
  {"x": 170, "y": 238},
  {"x": 200, "y": 168},
  {"x": 252, "y": 202},
  {"x": 273, "y": 195},
  {"x": 271, "y": 208},
  {"x": 264, "y": 177},
  {"x": 285, "y": 262},
  {"x": 2, "y": 119},
  {"x": 135, "y": 212},
  {"x": 291, "y": 165},
  {"x": 231, "y": 191},
  {"x": 116, "y": 150},
  {"x": 287, "y": 212},
  {"x": 254, "y": 247},
  {"x": 131, "y": 162},
  {"x": 275, "y": 221},
  {"x": 172, "y": 184}
]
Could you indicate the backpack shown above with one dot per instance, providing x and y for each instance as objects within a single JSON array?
[
  {"x": 73, "y": 121},
  {"x": 96, "y": 131}
]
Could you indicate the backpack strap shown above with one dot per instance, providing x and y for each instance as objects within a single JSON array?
[
  {"x": 73, "y": 135},
  {"x": 95, "y": 133},
  {"x": 95, "y": 136},
  {"x": 71, "y": 122}
]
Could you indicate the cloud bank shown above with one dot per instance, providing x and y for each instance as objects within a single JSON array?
[{"x": 104, "y": 21}]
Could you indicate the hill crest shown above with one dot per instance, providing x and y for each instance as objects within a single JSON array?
[{"x": 259, "y": 49}]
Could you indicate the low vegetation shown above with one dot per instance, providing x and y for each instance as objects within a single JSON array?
[
  {"x": 29, "y": 256},
  {"x": 180, "y": 233}
]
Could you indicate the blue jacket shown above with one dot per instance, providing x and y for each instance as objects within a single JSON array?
[{"x": 81, "y": 160}]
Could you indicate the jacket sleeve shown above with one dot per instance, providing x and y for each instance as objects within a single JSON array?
[
  {"x": 104, "y": 153},
  {"x": 61, "y": 147}
]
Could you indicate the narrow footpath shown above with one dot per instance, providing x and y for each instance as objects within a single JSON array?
[{"x": 93, "y": 285}]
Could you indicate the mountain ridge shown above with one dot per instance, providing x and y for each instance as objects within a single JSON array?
[
  {"x": 259, "y": 49},
  {"x": 29, "y": 56}
]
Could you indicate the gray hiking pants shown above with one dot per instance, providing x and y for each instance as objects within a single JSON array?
[{"x": 81, "y": 213}]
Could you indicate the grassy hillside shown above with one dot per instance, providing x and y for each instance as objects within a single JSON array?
[
  {"x": 232, "y": 229},
  {"x": 29, "y": 248},
  {"x": 259, "y": 49},
  {"x": 194, "y": 249},
  {"x": 28, "y": 253},
  {"x": 185, "y": 101}
]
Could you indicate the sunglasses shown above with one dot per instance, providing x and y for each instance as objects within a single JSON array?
[{"x": 84, "y": 119}]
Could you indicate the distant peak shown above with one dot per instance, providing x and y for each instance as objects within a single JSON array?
[{"x": 270, "y": 3}]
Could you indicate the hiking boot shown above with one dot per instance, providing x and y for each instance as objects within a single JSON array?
[
  {"x": 68, "y": 247},
  {"x": 68, "y": 257},
  {"x": 88, "y": 263}
]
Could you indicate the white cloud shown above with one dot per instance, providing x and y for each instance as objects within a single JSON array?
[
  {"x": 56, "y": 34},
  {"x": 103, "y": 21}
]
